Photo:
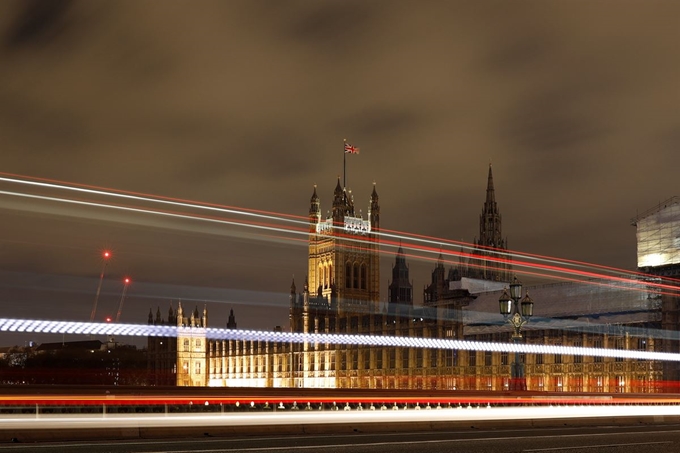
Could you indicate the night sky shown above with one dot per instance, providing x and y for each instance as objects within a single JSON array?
[{"x": 246, "y": 103}]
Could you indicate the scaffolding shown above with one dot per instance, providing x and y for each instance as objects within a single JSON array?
[{"x": 658, "y": 234}]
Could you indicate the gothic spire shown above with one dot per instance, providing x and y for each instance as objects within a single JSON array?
[
  {"x": 374, "y": 210},
  {"x": 231, "y": 322},
  {"x": 490, "y": 194},
  {"x": 314, "y": 208}
]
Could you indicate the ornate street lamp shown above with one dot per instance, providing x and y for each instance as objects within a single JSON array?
[{"x": 517, "y": 314}]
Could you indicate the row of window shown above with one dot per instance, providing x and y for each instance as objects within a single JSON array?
[{"x": 355, "y": 276}]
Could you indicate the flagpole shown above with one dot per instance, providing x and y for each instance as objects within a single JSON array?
[{"x": 344, "y": 165}]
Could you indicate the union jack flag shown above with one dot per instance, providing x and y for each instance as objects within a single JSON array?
[{"x": 351, "y": 149}]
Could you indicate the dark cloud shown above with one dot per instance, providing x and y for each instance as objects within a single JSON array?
[
  {"x": 381, "y": 121},
  {"x": 518, "y": 50},
  {"x": 542, "y": 128},
  {"x": 335, "y": 27},
  {"x": 246, "y": 103},
  {"x": 36, "y": 22}
]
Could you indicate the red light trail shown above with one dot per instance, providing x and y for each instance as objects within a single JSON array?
[{"x": 421, "y": 247}]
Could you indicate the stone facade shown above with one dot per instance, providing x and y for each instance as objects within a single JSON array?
[{"x": 341, "y": 294}]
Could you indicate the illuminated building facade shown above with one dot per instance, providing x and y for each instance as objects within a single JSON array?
[
  {"x": 180, "y": 360},
  {"x": 341, "y": 296}
]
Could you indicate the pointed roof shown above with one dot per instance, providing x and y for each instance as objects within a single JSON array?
[
  {"x": 338, "y": 187},
  {"x": 231, "y": 322},
  {"x": 400, "y": 259},
  {"x": 490, "y": 194},
  {"x": 293, "y": 290},
  {"x": 315, "y": 197},
  {"x": 374, "y": 194}
]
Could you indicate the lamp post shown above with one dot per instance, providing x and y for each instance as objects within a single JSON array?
[{"x": 517, "y": 314}]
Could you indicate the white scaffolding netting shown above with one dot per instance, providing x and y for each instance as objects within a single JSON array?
[{"x": 658, "y": 234}]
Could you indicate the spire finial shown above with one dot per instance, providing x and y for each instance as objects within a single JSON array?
[{"x": 490, "y": 195}]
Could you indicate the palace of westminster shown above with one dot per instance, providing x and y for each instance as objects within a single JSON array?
[{"x": 342, "y": 292}]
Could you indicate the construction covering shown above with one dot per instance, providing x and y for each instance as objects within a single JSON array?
[{"x": 658, "y": 234}]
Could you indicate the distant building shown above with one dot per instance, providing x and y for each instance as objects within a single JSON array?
[
  {"x": 658, "y": 254},
  {"x": 490, "y": 244},
  {"x": 341, "y": 295},
  {"x": 162, "y": 351},
  {"x": 658, "y": 239},
  {"x": 86, "y": 362},
  {"x": 83, "y": 345}
]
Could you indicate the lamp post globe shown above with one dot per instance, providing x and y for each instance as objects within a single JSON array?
[{"x": 517, "y": 312}]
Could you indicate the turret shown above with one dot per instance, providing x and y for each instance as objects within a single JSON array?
[
  {"x": 293, "y": 293},
  {"x": 193, "y": 318},
  {"x": 400, "y": 290},
  {"x": 159, "y": 320},
  {"x": 490, "y": 219},
  {"x": 314, "y": 210},
  {"x": 490, "y": 238},
  {"x": 339, "y": 203},
  {"x": 204, "y": 320},
  {"x": 180, "y": 315},
  {"x": 305, "y": 293},
  {"x": 374, "y": 210},
  {"x": 150, "y": 320},
  {"x": 231, "y": 323}
]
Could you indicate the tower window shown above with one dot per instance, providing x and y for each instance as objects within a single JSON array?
[
  {"x": 363, "y": 276},
  {"x": 356, "y": 276},
  {"x": 348, "y": 275}
]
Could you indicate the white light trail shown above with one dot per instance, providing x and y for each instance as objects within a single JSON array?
[
  {"x": 300, "y": 417},
  {"x": 149, "y": 211},
  {"x": 141, "y": 330},
  {"x": 549, "y": 270},
  {"x": 150, "y": 199}
]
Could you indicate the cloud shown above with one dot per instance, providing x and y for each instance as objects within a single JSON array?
[
  {"x": 246, "y": 103},
  {"x": 36, "y": 22}
]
